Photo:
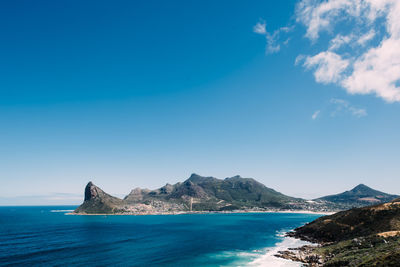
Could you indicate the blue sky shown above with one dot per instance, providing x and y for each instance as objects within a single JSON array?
[{"x": 137, "y": 94}]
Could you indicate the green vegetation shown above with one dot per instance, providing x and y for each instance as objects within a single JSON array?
[
  {"x": 196, "y": 193},
  {"x": 97, "y": 201},
  {"x": 368, "y": 236},
  {"x": 353, "y": 223},
  {"x": 366, "y": 251},
  {"x": 199, "y": 193},
  {"x": 359, "y": 196}
]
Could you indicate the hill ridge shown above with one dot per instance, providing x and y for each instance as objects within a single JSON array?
[{"x": 359, "y": 196}]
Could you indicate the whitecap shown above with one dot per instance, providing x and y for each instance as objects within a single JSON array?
[
  {"x": 269, "y": 260},
  {"x": 61, "y": 210}
]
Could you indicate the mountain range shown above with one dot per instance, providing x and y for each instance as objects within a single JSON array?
[{"x": 202, "y": 194}]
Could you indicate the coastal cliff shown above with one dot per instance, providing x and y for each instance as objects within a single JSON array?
[
  {"x": 98, "y": 201},
  {"x": 368, "y": 236}
]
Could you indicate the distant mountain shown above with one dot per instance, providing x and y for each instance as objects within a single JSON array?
[
  {"x": 197, "y": 193},
  {"x": 97, "y": 201},
  {"x": 359, "y": 196},
  {"x": 368, "y": 236},
  {"x": 209, "y": 193}
]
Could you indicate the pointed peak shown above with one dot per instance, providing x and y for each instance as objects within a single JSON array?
[
  {"x": 91, "y": 191},
  {"x": 361, "y": 187},
  {"x": 195, "y": 178}
]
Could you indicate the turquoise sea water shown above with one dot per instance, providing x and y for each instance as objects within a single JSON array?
[{"x": 47, "y": 236}]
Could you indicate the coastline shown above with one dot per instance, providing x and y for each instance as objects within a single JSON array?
[
  {"x": 290, "y": 251},
  {"x": 273, "y": 258},
  {"x": 302, "y": 254},
  {"x": 206, "y": 212}
]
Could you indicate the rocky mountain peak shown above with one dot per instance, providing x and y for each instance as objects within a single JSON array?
[
  {"x": 98, "y": 201},
  {"x": 195, "y": 178},
  {"x": 90, "y": 191},
  {"x": 194, "y": 175},
  {"x": 361, "y": 187}
]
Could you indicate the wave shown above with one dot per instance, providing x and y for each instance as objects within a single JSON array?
[
  {"x": 264, "y": 257},
  {"x": 61, "y": 210},
  {"x": 269, "y": 260}
]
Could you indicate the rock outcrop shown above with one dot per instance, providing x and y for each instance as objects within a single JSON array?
[
  {"x": 98, "y": 202},
  {"x": 368, "y": 236}
]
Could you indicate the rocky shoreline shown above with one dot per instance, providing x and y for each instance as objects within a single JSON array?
[
  {"x": 305, "y": 254},
  {"x": 368, "y": 236}
]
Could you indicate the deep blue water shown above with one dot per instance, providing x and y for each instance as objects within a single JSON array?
[{"x": 41, "y": 236}]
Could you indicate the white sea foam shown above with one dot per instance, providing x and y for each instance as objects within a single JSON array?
[
  {"x": 61, "y": 210},
  {"x": 269, "y": 260},
  {"x": 264, "y": 257}
]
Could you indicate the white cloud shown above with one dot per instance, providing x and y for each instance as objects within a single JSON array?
[
  {"x": 328, "y": 66},
  {"x": 286, "y": 42},
  {"x": 315, "y": 114},
  {"x": 358, "y": 112},
  {"x": 366, "y": 69},
  {"x": 339, "y": 41},
  {"x": 272, "y": 45},
  {"x": 342, "y": 40},
  {"x": 318, "y": 16},
  {"x": 377, "y": 71},
  {"x": 366, "y": 37},
  {"x": 343, "y": 106},
  {"x": 299, "y": 59},
  {"x": 272, "y": 39},
  {"x": 286, "y": 29},
  {"x": 338, "y": 107},
  {"x": 260, "y": 28}
]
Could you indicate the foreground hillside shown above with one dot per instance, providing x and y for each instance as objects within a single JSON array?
[
  {"x": 353, "y": 223},
  {"x": 368, "y": 236}
]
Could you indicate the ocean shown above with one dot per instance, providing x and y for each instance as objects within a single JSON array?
[{"x": 47, "y": 236}]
